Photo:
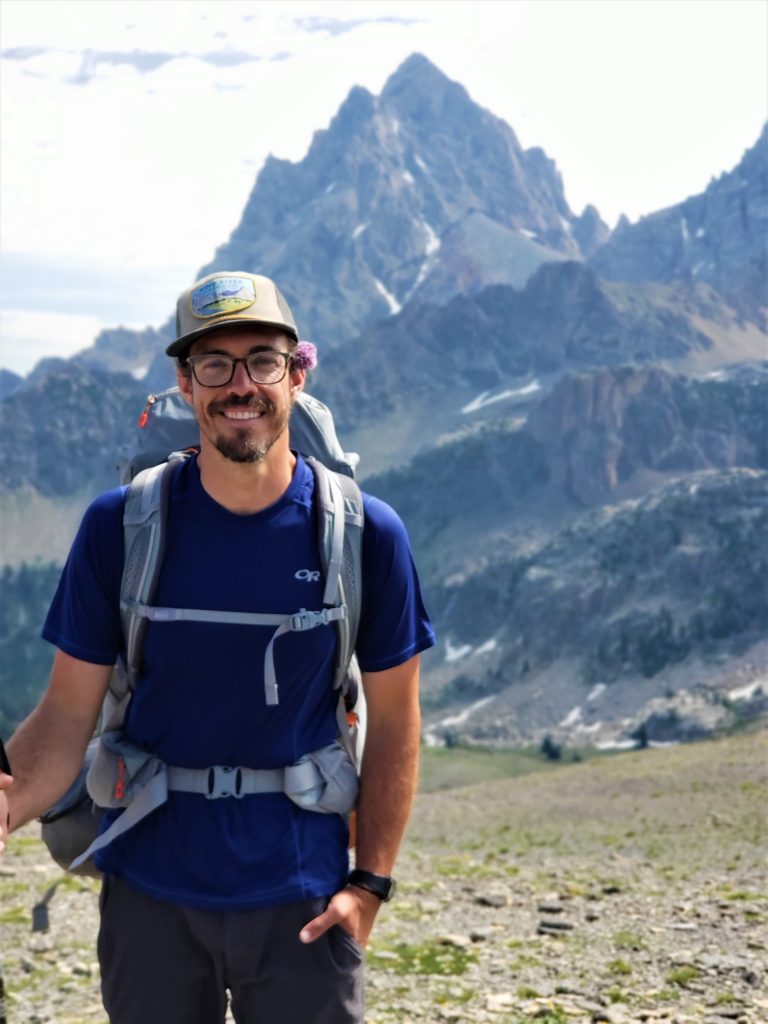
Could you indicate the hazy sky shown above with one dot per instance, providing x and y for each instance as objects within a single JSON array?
[{"x": 131, "y": 132}]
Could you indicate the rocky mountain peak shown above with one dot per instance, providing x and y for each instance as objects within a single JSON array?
[
  {"x": 356, "y": 230},
  {"x": 415, "y": 70},
  {"x": 359, "y": 105},
  {"x": 418, "y": 88},
  {"x": 590, "y": 230}
]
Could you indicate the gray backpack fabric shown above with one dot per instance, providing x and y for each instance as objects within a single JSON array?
[
  {"x": 118, "y": 774},
  {"x": 168, "y": 425}
]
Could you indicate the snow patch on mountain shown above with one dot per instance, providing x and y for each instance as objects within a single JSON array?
[
  {"x": 431, "y": 248},
  {"x": 456, "y": 653},
  {"x": 461, "y": 718},
  {"x": 486, "y": 398},
  {"x": 487, "y": 647},
  {"x": 394, "y": 305},
  {"x": 572, "y": 718}
]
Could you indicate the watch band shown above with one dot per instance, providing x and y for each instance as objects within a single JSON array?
[{"x": 380, "y": 885}]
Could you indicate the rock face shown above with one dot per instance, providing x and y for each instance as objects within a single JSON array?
[
  {"x": 357, "y": 229},
  {"x": 603, "y": 428},
  {"x": 718, "y": 237}
]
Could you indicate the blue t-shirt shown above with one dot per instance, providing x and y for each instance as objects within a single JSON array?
[{"x": 201, "y": 701}]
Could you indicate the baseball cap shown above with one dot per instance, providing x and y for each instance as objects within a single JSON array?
[{"x": 229, "y": 297}]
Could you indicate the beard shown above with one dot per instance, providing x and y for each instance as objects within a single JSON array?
[{"x": 241, "y": 447}]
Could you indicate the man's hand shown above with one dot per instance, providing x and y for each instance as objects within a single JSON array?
[
  {"x": 354, "y": 909},
  {"x": 47, "y": 749},
  {"x": 5, "y": 782}
]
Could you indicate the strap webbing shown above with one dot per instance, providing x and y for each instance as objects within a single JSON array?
[
  {"x": 157, "y": 614},
  {"x": 218, "y": 782},
  {"x": 298, "y": 622},
  {"x": 333, "y": 571},
  {"x": 152, "y": 796}
]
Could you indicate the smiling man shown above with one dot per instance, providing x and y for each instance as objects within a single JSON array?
[{"x": 251, "y": 896}]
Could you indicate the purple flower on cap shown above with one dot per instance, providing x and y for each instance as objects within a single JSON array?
[{"x": 305, "y": 357}]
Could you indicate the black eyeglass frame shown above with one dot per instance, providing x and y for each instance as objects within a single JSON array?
[{"x": 191, "y": 360}]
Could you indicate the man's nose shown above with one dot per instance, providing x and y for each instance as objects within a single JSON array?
[{"x": 241, "y": 380}]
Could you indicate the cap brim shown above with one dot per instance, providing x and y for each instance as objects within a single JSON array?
[{"x": 179, "y": 347}]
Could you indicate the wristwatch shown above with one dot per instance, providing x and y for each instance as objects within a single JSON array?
[{"x": 380, "y": 885}]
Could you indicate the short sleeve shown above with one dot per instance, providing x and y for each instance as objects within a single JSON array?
[
  {"x": 394, "y": 625},
  {"x": 84, "y": 617}
]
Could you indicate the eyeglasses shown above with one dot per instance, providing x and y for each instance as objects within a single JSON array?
[{"x": 215, "y": 369}]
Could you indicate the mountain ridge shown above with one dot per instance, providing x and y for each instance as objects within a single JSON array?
[{"x": 717, "y": 237}]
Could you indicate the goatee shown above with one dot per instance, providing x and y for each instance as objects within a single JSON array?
[{"x": 243, "y": 448}]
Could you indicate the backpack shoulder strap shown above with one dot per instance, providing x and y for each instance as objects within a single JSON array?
[
  {"x": 144, "y": 533},
  {"x": 340, "y": 522}
]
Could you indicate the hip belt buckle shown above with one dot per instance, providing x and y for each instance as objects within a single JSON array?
[{"x": 224, "y": 781}]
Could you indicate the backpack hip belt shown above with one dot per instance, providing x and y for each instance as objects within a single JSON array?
[{"x": 123, "y": 775}]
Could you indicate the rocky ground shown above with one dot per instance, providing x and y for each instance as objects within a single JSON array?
[{"x": 629, "y": 888}]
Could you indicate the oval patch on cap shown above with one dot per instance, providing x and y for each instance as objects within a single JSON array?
[{"x": 222, "y": 295}]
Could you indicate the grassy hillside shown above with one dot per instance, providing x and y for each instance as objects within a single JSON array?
[{"x": 622, "y": 889}]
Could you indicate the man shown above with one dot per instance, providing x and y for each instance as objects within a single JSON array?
[{"x": 249, "y": 895}]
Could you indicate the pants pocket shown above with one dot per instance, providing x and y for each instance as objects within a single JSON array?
[{"x": 346, "y": 952}]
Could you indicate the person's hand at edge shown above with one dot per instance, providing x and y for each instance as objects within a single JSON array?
[{"x": 352, "y": 908}]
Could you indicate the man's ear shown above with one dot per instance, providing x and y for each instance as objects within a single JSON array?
[
  {"x": 184, "y": 380},
  {"x": 298, "y": 378}
]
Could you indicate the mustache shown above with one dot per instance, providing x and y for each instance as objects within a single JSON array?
[{"x": 264, "y": 405}]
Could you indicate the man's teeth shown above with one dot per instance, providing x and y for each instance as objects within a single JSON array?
[{"x": 250, "y": 414}]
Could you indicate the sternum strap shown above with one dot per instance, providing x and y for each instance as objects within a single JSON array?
[{"x": 298, "y": 622}]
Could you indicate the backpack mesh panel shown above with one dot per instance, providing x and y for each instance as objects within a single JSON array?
[
  {"x": 134, "y": 588},
  {"x": 351, "y": 584},
  {"x": 135, "y": 563}
]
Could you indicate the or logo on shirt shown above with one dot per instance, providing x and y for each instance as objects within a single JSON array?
[{"x": 307, "y": 575}]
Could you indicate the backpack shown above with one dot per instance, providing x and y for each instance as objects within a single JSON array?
[{"x": 115, "y": 773}]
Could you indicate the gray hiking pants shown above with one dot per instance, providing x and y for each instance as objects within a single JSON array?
[{"x": 165, "y": 964}]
